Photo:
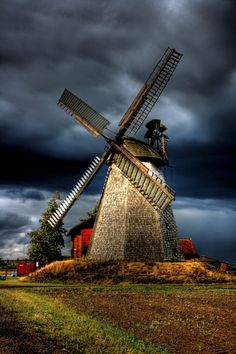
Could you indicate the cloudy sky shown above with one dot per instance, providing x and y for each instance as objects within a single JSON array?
[{"x": 103, "y": 51}]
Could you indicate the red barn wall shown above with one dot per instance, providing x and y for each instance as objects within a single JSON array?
[
  {"x": 24, "y": 267},
  {"x": 77, "y": 247},
  {"x": 86, "y": 234},
  {"x": 80, "y": 243}
]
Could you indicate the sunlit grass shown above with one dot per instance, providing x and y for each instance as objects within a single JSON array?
[{"x": 90, "y": 271}]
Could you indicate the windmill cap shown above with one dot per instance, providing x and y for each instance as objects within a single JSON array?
[{"x": 143, "y": 151}]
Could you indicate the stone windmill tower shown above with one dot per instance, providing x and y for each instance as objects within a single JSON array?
[{"x": 135, "y": 219}]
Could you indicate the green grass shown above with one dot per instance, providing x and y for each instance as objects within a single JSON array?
[
  {"x": 159, "y": 287},
  {"x": 20, "y": 282},
  {"x": 77, "y": 332}
]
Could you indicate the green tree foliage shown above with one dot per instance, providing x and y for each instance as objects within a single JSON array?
[
  {"x": 46, "y": 242},
  {"x": 91, "y": 214}
]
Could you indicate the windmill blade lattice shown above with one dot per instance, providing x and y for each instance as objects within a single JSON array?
[
  {"x": 67, "y": 203},
  {"x": 151, "y": 91},
  {"x": 94, "y": 122},
  {"x": 149, "y": 184}
]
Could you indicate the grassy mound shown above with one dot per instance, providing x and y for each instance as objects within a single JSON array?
[{"x": 84, "y": 270}]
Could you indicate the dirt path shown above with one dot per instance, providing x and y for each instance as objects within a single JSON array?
[{"x": 16, "y": 338}]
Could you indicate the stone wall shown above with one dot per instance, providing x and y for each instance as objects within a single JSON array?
[{"x": 172, "y": 247}]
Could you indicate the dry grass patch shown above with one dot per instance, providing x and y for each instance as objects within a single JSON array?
[{"x": 84, "y": 270}]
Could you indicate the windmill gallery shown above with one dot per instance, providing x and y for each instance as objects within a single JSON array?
[{"x": 135, "y": 220}]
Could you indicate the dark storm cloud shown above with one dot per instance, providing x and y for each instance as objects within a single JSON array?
[
  {"x": 11, "y": 221},
  {"x": 211, "y": 225},
  {"x": 24, "y": 194},
  {"x": 44, "y": 49},
  {"x": 97, "y": 36},
  {"x": 43, "y": 172},
  {"x": 203, "y": 170},
  {"x": 103, "y": 51},
  {"x": 13, "y": 235},
  {"x": 11, "y": 224},
  {"x": 94, "y": 49}
]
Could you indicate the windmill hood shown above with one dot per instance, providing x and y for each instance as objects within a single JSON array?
[{"x": 144, "y": 151}]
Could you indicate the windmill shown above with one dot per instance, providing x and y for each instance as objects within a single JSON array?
[{"x": 135, "y": 219}]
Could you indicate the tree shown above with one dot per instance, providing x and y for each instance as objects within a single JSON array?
[
  {"x": 46, "y": 242},
  {"x": 91, "y": 214}
]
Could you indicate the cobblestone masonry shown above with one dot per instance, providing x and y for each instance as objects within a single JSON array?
[{"x": 129, "y": 228}]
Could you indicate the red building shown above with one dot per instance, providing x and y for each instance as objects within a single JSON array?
[
  {"x": 25, "y": 267},
  {"x": 80, "y": 237}
]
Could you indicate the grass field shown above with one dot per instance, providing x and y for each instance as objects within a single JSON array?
[{"x": 167, "y": 318}]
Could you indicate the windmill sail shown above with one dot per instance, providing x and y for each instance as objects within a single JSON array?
[
  {"x": 134, "y": 189},
  {"x": 158, "y": 193},
  {"x": 143, "y": 178},
  {"x": 149, "y": 184},
  {"x": 150, "y": 92},
  {"x": 67, "y": 203},
  {"x": 94, "y": 122}
]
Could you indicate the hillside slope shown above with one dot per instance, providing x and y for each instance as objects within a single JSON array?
[{"x": 84, "y": 270}]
